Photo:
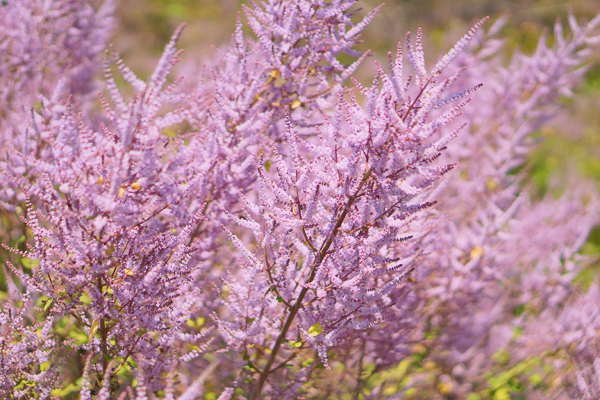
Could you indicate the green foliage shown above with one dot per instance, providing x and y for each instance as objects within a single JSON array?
[
  {"x": 592, "y": 79},
  {"x": 315, "y": 330}
]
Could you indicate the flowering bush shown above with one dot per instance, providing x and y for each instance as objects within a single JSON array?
[{"x": 268, "y": 231}]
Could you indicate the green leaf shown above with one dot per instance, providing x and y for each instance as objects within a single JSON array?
[
  {"x": 85, "y": 298},
  {"x": 517, "y": 331},
  {"x": 268, "y": 165},
  {"x": 29, "y": 263},
  {"x": 315, "y": 330},
  {"x": 48, "y": 304},
  {"x": 536, "y": 378},
  {"x": 500, "y": 381},
  {"x": 70, "y": 388},
  {"x": 307, "y": 362},
  {"x": 79, "y": 337}
]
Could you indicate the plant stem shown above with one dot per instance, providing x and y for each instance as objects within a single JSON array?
[
  {"x": 298, "y": 303},
  {"x": 104, "y": 336}
]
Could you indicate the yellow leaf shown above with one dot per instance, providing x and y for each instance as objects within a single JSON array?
[
  {"x": 429, "y": 365},
  {"x": 390, "y": 390},
  {"x": 444, "y": 387},
  {"x": 419, "y": 348},
  {"x": 295, "y": 104},
  {"x": 121, "y": 192},
  {"x": 93, "y": 329},
  {"x": 315, "y": 330},
  {"x": 169, "y": 132},
  {"x": 100, "y": 180},
  {"x": 136, "y": 186},
  {"x": 279, "y": 82},
  {"x": 476, "y": 252},
  {"x": 275, "y": 73},
  {"x": 128, "y": 272}
]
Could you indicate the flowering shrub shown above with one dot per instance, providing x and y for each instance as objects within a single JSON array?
[{"x": 263, "y": 233}]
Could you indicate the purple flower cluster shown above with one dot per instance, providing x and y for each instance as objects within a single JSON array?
[{"x": 267, "y": 229}]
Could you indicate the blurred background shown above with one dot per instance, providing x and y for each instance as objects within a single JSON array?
[{"x": 569, "y": 145}]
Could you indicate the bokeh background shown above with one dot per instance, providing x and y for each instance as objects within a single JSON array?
[{"x": 569, "y": 144}]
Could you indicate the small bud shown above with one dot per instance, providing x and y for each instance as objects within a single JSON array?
[
  {"x": 295, "y": 104},
  {"x": 128, "y": 272},
  {"x": 121, "y": 192},
  {"x": 136, "y": 186},
  {"x": 100, "y": 180},
  {"x": 275, "y": 73}
]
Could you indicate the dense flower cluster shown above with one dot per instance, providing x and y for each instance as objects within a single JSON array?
[{"x": 242, "y": 234}]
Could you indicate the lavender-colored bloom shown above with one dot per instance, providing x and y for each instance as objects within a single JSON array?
[
  {"x": 497, "y": 250},
  {"x": 327, "y": 222},
  {"x": 240, "y": 233},
  {"x": 27, "y": 350}
]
